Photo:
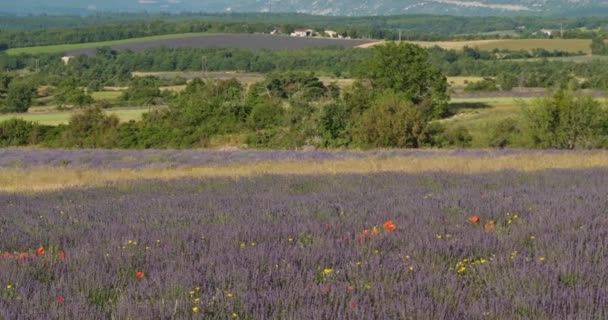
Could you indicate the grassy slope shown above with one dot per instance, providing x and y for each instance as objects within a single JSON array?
[{"x": 67, "y": 47}]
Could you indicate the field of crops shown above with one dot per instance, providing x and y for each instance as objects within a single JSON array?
[
  {"x": 568, "y": 45},
  {"x": 434, "y": 245},
  {"x": 241, "y": 41}
]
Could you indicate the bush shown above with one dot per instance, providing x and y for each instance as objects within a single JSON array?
[
  {"x": 15, "y": 132},
  {"x": 504, "y": 133},
  {"x": 91, "y": 128},
  {"x": 565, "y": 121},
  {"x": 392, "y": 122},
  {"x": 143, "y": 91},
  {"x": 485, "y": 85},
  {"x": 457, "y": 137},
  {"x": 19, "y": 98}
]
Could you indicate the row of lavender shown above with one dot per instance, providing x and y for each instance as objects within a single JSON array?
[
  {"x": 24, "y": 158},
  {"x": 384, "y": 246}
]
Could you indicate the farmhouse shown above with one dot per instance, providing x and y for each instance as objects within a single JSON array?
[
  {"x": 331, "y": 34},
  {"x": 66, "y": 59},
  {"x": 547, "y": 32},
  {"x": 303, "y": 33}
]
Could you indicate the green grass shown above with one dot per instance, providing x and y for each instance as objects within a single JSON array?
[
  {"x": 481, "y": 115},
  {"x": 63, "y": 117},
  {"x": 106, "y": 95},
  {"x": 67, "y": 47}
]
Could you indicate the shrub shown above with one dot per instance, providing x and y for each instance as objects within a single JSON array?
[
  {"x": 485, "y": 85},
  {"x": 392, "y": 122},
  {"x": 565, "y": 121}
]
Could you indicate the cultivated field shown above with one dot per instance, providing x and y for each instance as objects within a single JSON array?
[
  {"x": 31, "y": 170},
  {"x": 54, "y": 118},
  {"x": 277, "y": 245},
  {"x": 240, "y": 41},
  {"x": 69, "y": 47},
  {"x": 568, "y": 45}
]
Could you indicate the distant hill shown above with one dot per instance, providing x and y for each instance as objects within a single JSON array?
[{"x": 329, "y": 7}]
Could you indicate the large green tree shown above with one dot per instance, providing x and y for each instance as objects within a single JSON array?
[
  {"x": 405, "y": 69},
  {"x": 20, "y": 97}
]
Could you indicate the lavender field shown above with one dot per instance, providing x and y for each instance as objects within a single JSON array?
[
  {"x": 376, "y": 246},
  {"x": 137, "y": 159}
]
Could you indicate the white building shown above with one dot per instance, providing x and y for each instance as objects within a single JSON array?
[
  {"x": 66, "y": 59},
  {"x": 331, "y": 34},
  {"x": 303, "y": 33}
]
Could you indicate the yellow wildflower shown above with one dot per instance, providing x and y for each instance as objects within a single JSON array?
[
  {"x": 9, "y": 286},
  {"x": 328, "y": 271},
  {"x": 541, "y": 259},
  {"x": 195, "y": 309},
  {"x": 229, "y": 295}
]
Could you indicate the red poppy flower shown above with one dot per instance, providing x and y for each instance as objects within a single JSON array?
[
  {"x": 60, "y": 300},
  {"x": 389, "y": 225},
  {"x": 40, "y": 251},
  {"x": 374, "y": 231},
  {"x": 62, "y": 255},
  {"x": 139, "y": 274},
  {"x": 8, "y": 254},
  {"x": 489, "y": 226},
  {"x": 474, "y": 219},
  {"x": 22, "y": 255}
]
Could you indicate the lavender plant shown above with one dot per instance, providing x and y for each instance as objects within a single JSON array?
[
  {"x": 287, "y": 247},
  {"x": 117, "y": 159}
]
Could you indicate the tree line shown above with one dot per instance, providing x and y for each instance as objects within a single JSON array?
[
  {"x": 16, "y": 31},
  {"x": 398, "y": 100}
]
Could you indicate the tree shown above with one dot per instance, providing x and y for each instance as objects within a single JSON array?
[
  {"x": 73, "y": 95},
  {"x": 15, "y": 132},
  {"x": 598, "y": 46},
  {"x": 333, "y": 123},
  {"x": 565, "y": 121},
  {"x": 19, "y": 98},
  {"x": 391, "y": 122},
  {"x": 142, "y": 91},
  {"x": 404, "y": 68},
  {"x": 91, "y": 128}
]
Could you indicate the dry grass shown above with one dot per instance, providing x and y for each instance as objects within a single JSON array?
[
  {"x": 46, "y": 179},
  {"x": 569, "y": 45}
]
